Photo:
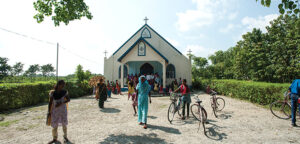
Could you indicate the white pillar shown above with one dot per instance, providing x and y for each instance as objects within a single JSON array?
[
  {"x": 122, "y": 75},
  {"x": 164, "y": 74}
]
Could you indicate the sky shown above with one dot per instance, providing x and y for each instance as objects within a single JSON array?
[{"x": 204, "y": 26}]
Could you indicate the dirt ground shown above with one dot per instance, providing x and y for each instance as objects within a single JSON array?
[{"x": 240, "y": 122}]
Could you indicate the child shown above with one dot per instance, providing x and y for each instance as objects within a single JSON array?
[
  {"x": 131, "y": 93},
  {"x": 161, "y": 90},
  {"x": 155, "y": 87}
]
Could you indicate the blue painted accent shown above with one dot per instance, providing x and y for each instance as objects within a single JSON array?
[
  {"x": 148, "y": 32},
  {"x": 144, "y": 49},
  {"x": 153, "y": 31},
  {"x": 141, "y": 39},
  {"x": 124, "y": 89}
]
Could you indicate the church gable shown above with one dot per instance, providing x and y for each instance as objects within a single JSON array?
[
  {"x": 140, "y": 49},
  {"x": 147, "y": 33}
]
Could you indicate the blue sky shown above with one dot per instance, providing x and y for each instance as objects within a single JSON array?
[{"x": 204, "y": 26}]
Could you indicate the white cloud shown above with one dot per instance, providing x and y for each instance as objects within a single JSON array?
[
  {"x": 232, "y": 16},
  {"x": 227, "y": 28},
  {"x": 260, "y": 22},
  {"x": 206, "y": 12},
  {"x": 198, "y": 50},
  {"x": 172, "y": 41}
]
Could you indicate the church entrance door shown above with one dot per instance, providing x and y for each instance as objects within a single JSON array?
[{"x": 146, "y": 69}]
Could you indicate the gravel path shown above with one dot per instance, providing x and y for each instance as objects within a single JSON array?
[{"x": 240, "y": 122}]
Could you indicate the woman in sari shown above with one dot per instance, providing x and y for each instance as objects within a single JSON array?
[
  {"x": 102, "y": 91},
  {"x": 57, "y": 110},
  {"x": 143, "y": 91}
]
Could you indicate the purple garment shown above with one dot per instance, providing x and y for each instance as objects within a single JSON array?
[{"x": 59, "y": 115}]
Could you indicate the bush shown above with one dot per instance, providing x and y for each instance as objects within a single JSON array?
[
  {"x": 255, "y": 92},
  {"x": 14, "y": 96}
]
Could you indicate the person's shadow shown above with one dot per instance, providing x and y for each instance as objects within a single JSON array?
[
  {"x": 110, "y": 110},
  {"x": 165, "y": 129},
  {"x": 125, "y": 139}
]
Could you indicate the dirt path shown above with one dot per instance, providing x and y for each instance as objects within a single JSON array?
[{"x": 240, "y": 122}]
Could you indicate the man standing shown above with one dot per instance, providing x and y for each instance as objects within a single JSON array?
[
  {"x": 294, "y": 93},
  {"x": 143, "y": 91}
]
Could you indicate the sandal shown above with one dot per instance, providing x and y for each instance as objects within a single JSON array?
[
  {"x": 141, "y": 123},
  {"x": 53, "y": 141},
  {"x": 66, "y": 140},
  {"x": 145, "y": 126}
]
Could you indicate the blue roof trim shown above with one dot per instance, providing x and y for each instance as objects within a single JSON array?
[
  {"x": 127, "y": 40},
  {"x": 164, "y": 39},
  {"x": 122, "y": 56}
]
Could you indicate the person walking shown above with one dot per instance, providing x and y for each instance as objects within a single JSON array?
[
  {"x": 186, "y": 98},
  {"x": 108, "y": 89},
  {"x": 294, "y": 90},
  {"x": 143, "y": 92},
  {"x": 57, "y": 110},
  {"x": 102, "y": 92}
]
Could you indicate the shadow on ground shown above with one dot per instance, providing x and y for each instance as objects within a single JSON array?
[
  {"x": 125, "y": 139},
  {"x": 152, "y": 117},
  {"x": 165, "y": 129},
  {"x": 110, "y": 110},
  {"x": 225, "y": 115},
  {"x": 212, "y": 132}
]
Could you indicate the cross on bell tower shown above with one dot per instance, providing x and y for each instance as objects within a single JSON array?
[
  {"x": 146, "y": 19},
  {"x": 105, "y": 52},
  {"x": 189, "y": 52}
]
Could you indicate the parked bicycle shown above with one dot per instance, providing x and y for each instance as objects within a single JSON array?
[
  {"x": 217, "y": 103},
  {"x": 282, "y": 108},
  {"x": 174, "y": 106},
  {"x": 199, "y": 112}
]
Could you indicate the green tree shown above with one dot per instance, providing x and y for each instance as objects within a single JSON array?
[
  {"x": 61, "y": 10},
  {"x": 17, "y": 69},
  {"x": 79, "y": 73},
  {"x": 4, "y": 67},
  {"x": 47, "y": 69},
  {"x": 286, "y": 6},
  {"x": 32, "y": 70}
]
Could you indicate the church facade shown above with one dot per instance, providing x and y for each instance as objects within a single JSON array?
[{"x": 147, "y": 52}]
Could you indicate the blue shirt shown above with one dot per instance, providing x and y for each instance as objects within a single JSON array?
[{"x": 295, "y": 87}]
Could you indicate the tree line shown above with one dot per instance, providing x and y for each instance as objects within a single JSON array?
[
  {"x": 17, "y": 70},
  {"x": 273, "y": 56}
]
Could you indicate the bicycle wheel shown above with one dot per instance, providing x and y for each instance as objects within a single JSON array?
[
  {"x": 195, "y": 111},
  {"x": 171, "y": 112},
  {"x": 220, "y": 104},
  {"x": 281, "y": 110},
  {"x": 179, "y": 110},
  {"x": 202, "y": 118},
  {"x": 213, "y": 105}
]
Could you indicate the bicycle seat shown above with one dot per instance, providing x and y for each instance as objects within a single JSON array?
[{"x": 199, "y": 101}]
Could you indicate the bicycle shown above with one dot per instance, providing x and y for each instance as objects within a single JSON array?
[
  {"x": 217, "y": 103},
  {"x": 282, "y": 109},
  {"x": 199, "y": 112},
  {"x": 174, "y": 108}
]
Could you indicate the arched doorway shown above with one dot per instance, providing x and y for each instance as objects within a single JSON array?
[{"x": 146, "y": 69}]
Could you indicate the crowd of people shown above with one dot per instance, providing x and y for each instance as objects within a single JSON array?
[{"x": 138, "y": 91}]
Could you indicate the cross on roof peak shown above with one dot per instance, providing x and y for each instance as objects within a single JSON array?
[
  {"x": 190, "y": 51},
  {"x": 146, "y": 19}
]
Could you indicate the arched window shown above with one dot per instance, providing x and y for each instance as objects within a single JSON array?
[
  {"x": 171, "y": 71},
  {"x": 125, "y": 71},
  {"x": 146, "y": 33},
  {"x": 141, "y": 49}
]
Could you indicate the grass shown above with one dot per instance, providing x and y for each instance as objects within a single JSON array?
[{"x": 7, "y": 123}]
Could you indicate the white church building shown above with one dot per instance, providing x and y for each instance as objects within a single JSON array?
[{"x": 145, "y": 52}]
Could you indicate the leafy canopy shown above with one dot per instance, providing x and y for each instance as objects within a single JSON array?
[{"x": 61, "y": 10}]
